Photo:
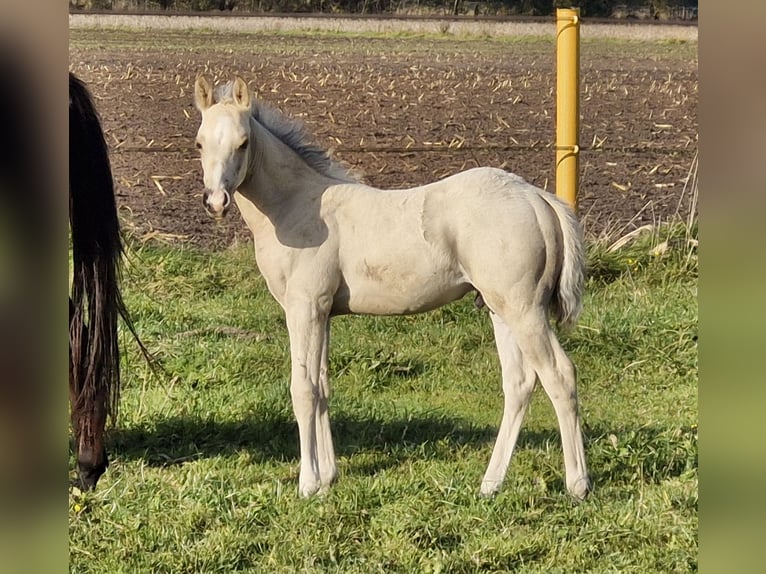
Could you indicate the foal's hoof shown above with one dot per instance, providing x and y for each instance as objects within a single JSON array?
[
  {"x": 489, "y": 488},
  {"x": 580, "y": 488},
  {"x": 309, "y": 489}
]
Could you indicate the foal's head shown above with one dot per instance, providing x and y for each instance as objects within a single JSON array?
[{"x": 223, "y": 139}]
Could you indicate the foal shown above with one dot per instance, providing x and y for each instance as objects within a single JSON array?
[{"x": 328, "y": 245}]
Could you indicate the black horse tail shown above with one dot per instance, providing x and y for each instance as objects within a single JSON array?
[{"x": 95, "y": 301}]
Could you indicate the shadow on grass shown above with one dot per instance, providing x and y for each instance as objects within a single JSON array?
[
  {"x": 646, "y": 454},
  {"x": 180, "y": 439}
]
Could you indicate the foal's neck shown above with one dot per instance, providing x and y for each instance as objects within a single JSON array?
[{"x": 278, "y": 174}]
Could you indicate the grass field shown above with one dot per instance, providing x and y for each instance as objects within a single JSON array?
[
  {"x": 204, "y": 462},
  {"x": 381, "y": 26}
]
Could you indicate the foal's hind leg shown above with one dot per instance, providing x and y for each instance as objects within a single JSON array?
[
  {"x": 518, "y": 384},
  {"x": 562, "y": 391},
  {"x": 540, "y": 347}
]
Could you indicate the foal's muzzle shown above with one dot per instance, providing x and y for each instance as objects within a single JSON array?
[{"x": 216, "y": 202}]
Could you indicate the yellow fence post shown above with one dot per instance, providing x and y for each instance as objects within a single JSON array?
[{"x": 567, "y": 103}]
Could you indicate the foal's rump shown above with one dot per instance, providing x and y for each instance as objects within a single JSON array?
[{"x": 513, "y": 240}]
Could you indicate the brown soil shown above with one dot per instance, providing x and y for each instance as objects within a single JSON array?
[{"x": 402, "y": 112}]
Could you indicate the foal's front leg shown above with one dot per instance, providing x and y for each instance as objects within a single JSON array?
[
  {"x": 328, "y": 470},
  {"x": 307, "y": 326}
]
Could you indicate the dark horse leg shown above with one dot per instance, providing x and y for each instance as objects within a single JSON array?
[
  {"x": 95, "y": 301},
  {"x": 88, "y": 419}
]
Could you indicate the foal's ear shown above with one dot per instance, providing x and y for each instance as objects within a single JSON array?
[
  {"x": 241, "y": 92},
  {"x": 203, "y": 93}
]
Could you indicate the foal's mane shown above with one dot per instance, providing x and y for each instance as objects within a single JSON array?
[{"x": 292, "y": 133}]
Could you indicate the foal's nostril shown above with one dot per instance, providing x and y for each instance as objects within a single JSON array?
[{"x": 216, "y": 203}]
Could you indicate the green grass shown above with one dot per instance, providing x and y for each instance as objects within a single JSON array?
[{"x": 205, "y": 458}]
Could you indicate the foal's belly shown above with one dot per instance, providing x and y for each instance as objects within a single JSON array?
[{"x": 397, "y": 295}]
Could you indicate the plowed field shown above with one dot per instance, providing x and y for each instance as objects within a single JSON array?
[{"x": 402, "y": 111}]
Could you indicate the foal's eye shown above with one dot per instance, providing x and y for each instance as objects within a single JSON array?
[
  {"x": 198, "y": 145},
  {"x": 243, "y": 145}
]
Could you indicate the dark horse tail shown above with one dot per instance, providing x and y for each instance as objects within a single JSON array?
[{"x": 95, "y": 303}]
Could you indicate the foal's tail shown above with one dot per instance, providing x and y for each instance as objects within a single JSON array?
[
  {"x": 95, "y": 301},
  {"x": 567, "y": 302}
]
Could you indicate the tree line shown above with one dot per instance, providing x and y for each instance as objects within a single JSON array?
[{"x": 686, "y": 9}]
